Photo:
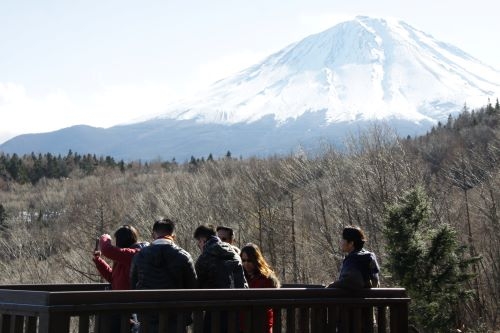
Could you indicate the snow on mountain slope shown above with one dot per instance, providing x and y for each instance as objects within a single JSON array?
[
  {"x": 364, "y": 69},
  {"x": 320, "y": 89}
]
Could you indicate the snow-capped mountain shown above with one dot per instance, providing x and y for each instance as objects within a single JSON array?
[
  {"x": 363, "y": 69},
  {"x": 321, "y": 87}
]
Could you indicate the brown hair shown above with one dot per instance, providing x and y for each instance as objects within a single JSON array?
[
  {"x": 126, "y": 236},
  {"x": 356, "y": 235},
  {"x": 204, "y": 231},
  {"x": 261, "y": 265}
]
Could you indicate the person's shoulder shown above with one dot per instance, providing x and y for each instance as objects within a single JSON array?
[
  {"x": 177, "y": 251},
  {"x": 140, "y": 245},
  {"x": 225, "y": 250}
]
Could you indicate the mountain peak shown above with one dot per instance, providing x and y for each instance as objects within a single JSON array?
[{"x": 366, "y": 68}]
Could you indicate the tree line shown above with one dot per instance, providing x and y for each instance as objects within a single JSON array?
[
  {"x": 440, "y": 189},
  {"x": 31, "y": 168}
]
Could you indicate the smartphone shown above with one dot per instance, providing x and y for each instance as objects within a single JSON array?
[{"x": 96, "y": 248}]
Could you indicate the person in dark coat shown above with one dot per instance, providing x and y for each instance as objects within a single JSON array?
[
  {"x": 218, "y": 267},
  {"x": 163, "y": 265},
  {"x": 360, "y": 268}
]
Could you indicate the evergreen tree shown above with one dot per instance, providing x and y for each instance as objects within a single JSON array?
[
  {"x": 428, "y": 261},
  {"x": 3, "y": 218},
  {"x": 37, "y": 171},
  {"x": 121, "y": 164},
  {"x": 489, "y": 107},
  {"x": 449, "y": 122}
]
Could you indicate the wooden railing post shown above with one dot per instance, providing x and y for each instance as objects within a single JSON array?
[
  {"x": 290, "y": 320},
  {"x": 399, "y": 318},
  {"x": 83, "y": 323},
  {"x": 31, "y": 324},
  {"x": 51, "y": 322},
  {"x": 333, "y": 318},
  {"x": 277, "y": 320},
  {"x": 381, "y": 319},
  {"x": 319, "y": 320},
  {"x": 198, "y": 321},
  {"x": 4, "y": 323},
  {"x": 259, "y": 319},
  {"x": 18, "y": 325}
]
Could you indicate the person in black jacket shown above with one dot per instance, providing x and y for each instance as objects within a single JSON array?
[
  {"x": 360, "y": 268},
  {"x": 163, "y": 265},
  {"x": 218, "y": 267}
]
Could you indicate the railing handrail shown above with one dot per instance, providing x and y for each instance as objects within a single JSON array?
[
  {"x": 53, "y": 305},
  {"x": 75, "y": 301}
]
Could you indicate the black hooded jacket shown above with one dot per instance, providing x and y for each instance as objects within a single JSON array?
[
  {"x": 359, "y": 270},
  {"x": 219, "y": 266}
]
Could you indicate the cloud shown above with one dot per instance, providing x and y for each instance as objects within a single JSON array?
[
  {"x": 22, "y": 112},
  {"x": 124, "y": 103},
  {"x": 317, "y": 22},
  {"x": 227, "y": 65}
]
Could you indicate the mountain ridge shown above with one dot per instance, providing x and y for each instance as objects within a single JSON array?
[{"x": 319, "y": 88}]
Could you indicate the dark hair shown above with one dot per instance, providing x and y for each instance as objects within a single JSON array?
[
  {"x": 228, "y": 229},
  {"x": 205, "y": 231},
  {"x": 354, "y": 234},
  {"x": 255, "y": 256},
  {"x": 126, "y": 236},
  {"x": 164, "y": 227}
]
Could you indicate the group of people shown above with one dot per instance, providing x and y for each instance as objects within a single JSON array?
[{"x": 163, "y": 264}]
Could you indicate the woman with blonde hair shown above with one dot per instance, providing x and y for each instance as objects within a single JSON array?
[{"x": 259, "y": 275}]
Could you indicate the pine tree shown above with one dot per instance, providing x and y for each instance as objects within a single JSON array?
[
  {"x": 428, "y": 261},
  {"x": 3, "y": 218},
  {"x": 489, "y": 107}
]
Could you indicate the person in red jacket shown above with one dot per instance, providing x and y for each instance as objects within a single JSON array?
[
  {"x": 259, "y": 275},
  {"x": 119, "y": 273}
]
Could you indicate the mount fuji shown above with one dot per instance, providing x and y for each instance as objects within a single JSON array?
[{"x": 322, "y": 87}]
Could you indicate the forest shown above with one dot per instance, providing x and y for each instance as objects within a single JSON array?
[{"x": 434, "y": 198}]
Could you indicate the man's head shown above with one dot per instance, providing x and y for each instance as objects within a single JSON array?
[
  {"x": 163, "y": 227},
  {"x": 353, "y": 238},
  {"x": 226, "y": 234},
  {"x": 202, "y": 233}
]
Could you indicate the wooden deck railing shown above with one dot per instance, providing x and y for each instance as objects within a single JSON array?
[{"x": 88, "y": 307}]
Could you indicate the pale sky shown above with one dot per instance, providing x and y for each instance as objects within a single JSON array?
[{"x": 106, "y": 62}]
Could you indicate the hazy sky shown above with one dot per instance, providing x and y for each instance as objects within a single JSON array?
[{"x": 68, "y": 62}]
